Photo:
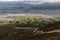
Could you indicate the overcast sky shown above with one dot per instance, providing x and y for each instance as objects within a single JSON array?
[{"x": 35, "y": 0}]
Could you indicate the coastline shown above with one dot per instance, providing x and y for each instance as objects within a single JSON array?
[
  {"x": 11, "y": 17},
  {"x": 23, "y": 14}
]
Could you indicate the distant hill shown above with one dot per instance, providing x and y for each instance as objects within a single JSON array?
[
  {"x": 14, "y": 4},
  {"x": 55, "y": 5}
]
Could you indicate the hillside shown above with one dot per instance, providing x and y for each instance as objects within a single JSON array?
[{"x": 30, "y": 28}]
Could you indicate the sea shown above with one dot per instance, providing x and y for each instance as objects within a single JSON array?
[{"x": 30, "y": 11}]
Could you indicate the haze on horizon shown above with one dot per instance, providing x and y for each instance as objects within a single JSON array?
[{"x": 34, "y": 0}]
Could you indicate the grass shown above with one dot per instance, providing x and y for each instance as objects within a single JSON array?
[
  {"x": 8, "y": 31},
  {"x": 4, "y": 22},
  {"x": 35, "y": 20}
]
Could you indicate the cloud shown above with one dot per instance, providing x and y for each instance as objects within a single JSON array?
[
  {"x": 34, "y": 0},
  {"x": 9, "y": 0},
  {"x": 53, "y": 0}
]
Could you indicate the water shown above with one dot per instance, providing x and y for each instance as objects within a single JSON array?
[{"x": 29, "y": 10}]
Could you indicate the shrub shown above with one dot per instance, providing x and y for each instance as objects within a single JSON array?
[{"x": 34, "y": 20}]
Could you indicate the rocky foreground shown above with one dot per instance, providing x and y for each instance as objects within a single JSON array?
[
  {"x": 11, "y": 31},
  {"x": 18, "y": 32}
]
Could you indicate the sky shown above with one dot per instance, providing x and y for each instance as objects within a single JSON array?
[{"x": 35, "y": 0}]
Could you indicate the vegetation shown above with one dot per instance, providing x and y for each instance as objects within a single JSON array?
[
  {"x": 35, "y": 20},
  {"x": 4, "y": 22},
  {"x": 9, "y": 32}
]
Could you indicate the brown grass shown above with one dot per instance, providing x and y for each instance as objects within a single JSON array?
[{"x": 8, "y": 32}]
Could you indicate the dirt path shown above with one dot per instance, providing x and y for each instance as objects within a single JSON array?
[{"x": 35, "y": 31}]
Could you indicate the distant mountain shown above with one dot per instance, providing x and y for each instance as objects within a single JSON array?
[
  {"x": 55, "y": 5},
  {"x": 17, "y": 5},
  {"x": 14, "y": 4}
]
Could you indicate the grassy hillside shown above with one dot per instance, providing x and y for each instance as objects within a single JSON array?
[{"x": 11, "y": 30}]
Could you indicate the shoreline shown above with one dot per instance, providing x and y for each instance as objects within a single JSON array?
[
  {"x": 10, "y": 17},
  {"x": 23, "y": 14}
]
